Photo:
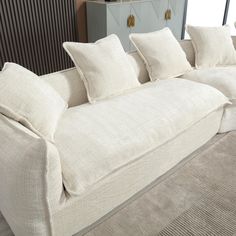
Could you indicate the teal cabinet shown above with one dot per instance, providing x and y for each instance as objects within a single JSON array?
[{"x": 104, "y": 18}]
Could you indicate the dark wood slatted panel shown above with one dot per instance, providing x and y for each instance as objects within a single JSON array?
[{"x": 32, "y": 33}]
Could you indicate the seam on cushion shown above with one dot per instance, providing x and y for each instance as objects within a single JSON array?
[
  {"x": 46, "y": 191},
  {"x": 177, "y": 75},
  {"x": 18, "y": 118},
  {"x": 58, "y": 72},
  {"x": 81, "y": 74},
  {"x": 146, "y": 62},
  {"x": 123, "y": 92},
  {"x": 22, "y": 120},
  {"x": 90, "y": 187}
]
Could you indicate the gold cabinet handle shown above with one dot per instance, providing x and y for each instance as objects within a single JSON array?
[
  {"x": 131, "y": 21},
  {"x": 168, "y": 14}
]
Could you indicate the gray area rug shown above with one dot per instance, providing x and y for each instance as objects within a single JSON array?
[{"x": 197, "y": 197}]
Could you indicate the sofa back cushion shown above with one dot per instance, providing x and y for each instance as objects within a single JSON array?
[
  {"x": 189, "y": 50},
  {"x": 71, "y": 87}
]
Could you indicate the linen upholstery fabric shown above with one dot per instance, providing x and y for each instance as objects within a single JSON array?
[
  {"x": 103, "y": 66},
  {"x": 30, "y": 180},
  {"x": 139, "y": 67},
  {"x": 229, "y": 117},
  {"x": 128, "y": 127},
  {"x": 187, "y": 46},
  {"x": 110, "y": 192},
  {"x": 68, "y": 215},
  {"x": 70, "y": 86},
  {"x": 162, "y": 54},
  {"x": 196, "y": 197},
  {"x": 213, "y": 46},
  {"x": 221, "y": 78},
  {"x": 29, "y": 100}
]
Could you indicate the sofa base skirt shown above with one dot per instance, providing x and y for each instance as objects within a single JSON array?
[
  {"x": 81, "y": 212},
  {"x": 4, "y": 227},
  {"x": 228, "y": 122}
]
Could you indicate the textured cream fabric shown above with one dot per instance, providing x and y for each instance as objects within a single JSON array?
[
  {"x": 125, "y": 182},
  {"x": 139, "y": 67},
  {"x": 187, "y": 46},
  {"x": 213, "y": 46},
  {"x": 228, "y": 122},
  {"x": 30, "y": 180},
  {"x": 29, "y": 100},
  {"x": 162, "y": 54},
  {"x": 103, "y": 66},
  {"x": 22, "y": 199},
  {"x": 71, "y": 87},
  {"x": 95, "y": 140},
  {"x": 221, "y": 78}
]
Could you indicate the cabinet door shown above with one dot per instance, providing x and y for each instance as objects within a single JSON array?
[
  {"x": 177, "y": 17},
  {"x": 148, "y": 17},
  {"x": 117, "y": 15}
]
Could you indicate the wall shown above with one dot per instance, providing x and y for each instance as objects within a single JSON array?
[{"x": 32, "y": 33}]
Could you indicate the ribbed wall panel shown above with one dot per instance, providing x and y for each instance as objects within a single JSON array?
[{"x": 32, "y": 33}]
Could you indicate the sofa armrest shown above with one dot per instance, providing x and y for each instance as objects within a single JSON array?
[{"x": 30, "y": 180}]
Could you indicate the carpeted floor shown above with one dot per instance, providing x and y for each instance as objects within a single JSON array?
[{"x": 197, "y": 197}]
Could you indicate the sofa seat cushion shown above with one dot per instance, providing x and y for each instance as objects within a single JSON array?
[
  {"x": 95, "y": 140},
  {"x": 221, "y": 78}
]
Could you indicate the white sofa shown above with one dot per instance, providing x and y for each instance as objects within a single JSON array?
[
  {"x": 222, "y": 78},
  {"x": 104, "y": 153}
]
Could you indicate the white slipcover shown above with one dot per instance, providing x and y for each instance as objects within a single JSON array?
[
  {"x": 96, "y": 140},
  {"x": 223, "y": 79}
]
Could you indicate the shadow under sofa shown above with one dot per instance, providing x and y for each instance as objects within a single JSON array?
[{"x": 43, "y": 206}]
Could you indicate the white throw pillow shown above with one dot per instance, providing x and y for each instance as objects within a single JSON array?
[
  {"x": 29, "y": 100},
  {"x": 162, "y": 54},
  {"x": 103, "y": 66},
  {"x": 213, "y": 46}
]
